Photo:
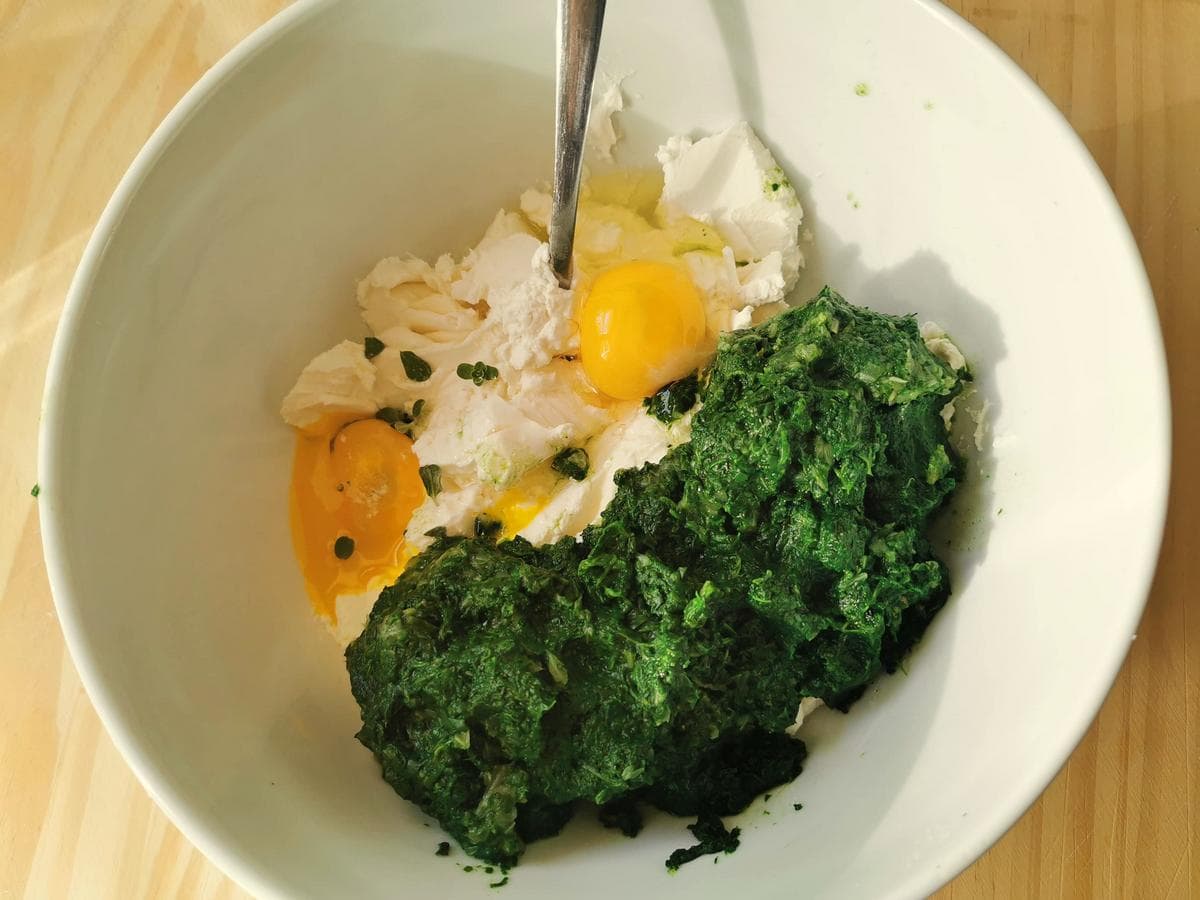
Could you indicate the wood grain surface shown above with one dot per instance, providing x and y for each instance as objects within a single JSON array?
[{"x": 83, "y": 83}]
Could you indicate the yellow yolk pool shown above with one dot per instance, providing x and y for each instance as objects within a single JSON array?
[
  {"x": 515, "y": 510},
  {"x": 641, "y": 325},
  {"x": 354, "y": 489}
]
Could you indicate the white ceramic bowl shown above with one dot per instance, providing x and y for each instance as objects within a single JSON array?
[{"x": 343, "y": 132}]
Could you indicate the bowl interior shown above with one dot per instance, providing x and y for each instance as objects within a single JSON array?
[{"x": 351, "y": 131}]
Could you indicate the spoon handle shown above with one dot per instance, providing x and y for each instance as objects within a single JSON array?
[{"x": 579, "y": 24}]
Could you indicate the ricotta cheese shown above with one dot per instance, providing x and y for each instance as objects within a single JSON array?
[{"x": 731, "y": 181}]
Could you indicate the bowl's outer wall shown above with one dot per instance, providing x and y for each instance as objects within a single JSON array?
[{"x": 347, "y": 132}]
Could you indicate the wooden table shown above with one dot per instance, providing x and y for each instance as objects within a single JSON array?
[{"x": 83, "y": 83}]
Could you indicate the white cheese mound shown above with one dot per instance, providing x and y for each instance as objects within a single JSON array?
[
  {"x": 633, "y": 440},
  {"x": 535, "y": 205},
  {"x": 496, "y": 432},
  {"x": 940, "y": 345},
  {"x": 808, "y": 706},
  {"x": 731, "y": 181},
  {"x": 408, "y": 305},
  {"x": 408, "y": 302},
  {"x": 607, "y": 101},
  {"x": 339, "y": 381},
  {"x": 531, "y": 318},
  {"x": 500, "y": 261},
  {"x": 454, "y": 509},
  {"x": 501, "y": 305}
]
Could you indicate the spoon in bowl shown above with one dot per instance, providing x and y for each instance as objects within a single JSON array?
[{"x": 579, "y": 24}]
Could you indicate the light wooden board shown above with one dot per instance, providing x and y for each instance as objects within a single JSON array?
[{"x": 82, "y": 84}]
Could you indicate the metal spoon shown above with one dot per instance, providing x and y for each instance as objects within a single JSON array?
[{"x": 579, "y": 24}]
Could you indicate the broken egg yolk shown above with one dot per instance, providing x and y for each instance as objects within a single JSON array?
[
  {"x": 514, "y": 510},
  {"x": 354, "y": 490},
  {"x": 641, "y": 326}
]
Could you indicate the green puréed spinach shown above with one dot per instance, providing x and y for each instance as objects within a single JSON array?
[{"x": 779, "y": 554}]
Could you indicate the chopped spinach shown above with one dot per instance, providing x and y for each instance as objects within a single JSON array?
[
  {"x": 713, "y": 837},
  {"x": 673, "y": 400},
  {"x": 486, "y": 527},
  {"x": 443, "y": 849},
  {"x": 622, "y": 814},
  {"x": 415, "y": 367},
  {"x": 372, "y": 347},
  {"x": 780, "y": 554},
  {"x": 571, "y": 462}
]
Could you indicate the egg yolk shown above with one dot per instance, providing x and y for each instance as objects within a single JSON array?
[
  {"x": 514, "y": 510},
  {"x": 354, "y": 489},
  {"x": 641, "y": 325}
]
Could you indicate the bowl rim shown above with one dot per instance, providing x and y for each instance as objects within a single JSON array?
[{"x": 984, "y": 830}]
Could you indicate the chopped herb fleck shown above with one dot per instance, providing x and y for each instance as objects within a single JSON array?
[
  {"x": 499, "y": 884},
  {"x": 673, "y": 400},
  {"x": 488, "y": 870},
  {"x": 415, "y": 367},
  {"x": 372, "y": 347},
  {"x": 35, "y": 490},
  {"x": 393, "y": 416},
  {"x": 477, "y": 373},
  {"x": 797, "y": 806},
  {"x": 572, "y": 462},
  {"x": 443, "y": 849},
  {"x": 774, "y": 185},
  {"x": 862, "y": 89},
  {"x": 486, "y": 526},
  {"x": 468, "y": 868},
  {"x": 431, "y": 477},
  {"x": 741, "y": 263},
  {"x": 418, "y": 407},
  {"x": 343, "y": 547}
]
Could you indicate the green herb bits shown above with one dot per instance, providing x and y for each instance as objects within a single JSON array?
[
  {"x": 486, "y": 527},
  {"x": 572, "y": 462},
  {"x": 670, "y": 402},
  {"x": 478, "y": 373},
  {"x": 431, "y": 477},
  {"x": 393, "y": 416},
  {"x": 415, "y": 367}
]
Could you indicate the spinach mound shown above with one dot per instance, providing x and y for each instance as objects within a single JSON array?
[{"x": 778, "y": 555}]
